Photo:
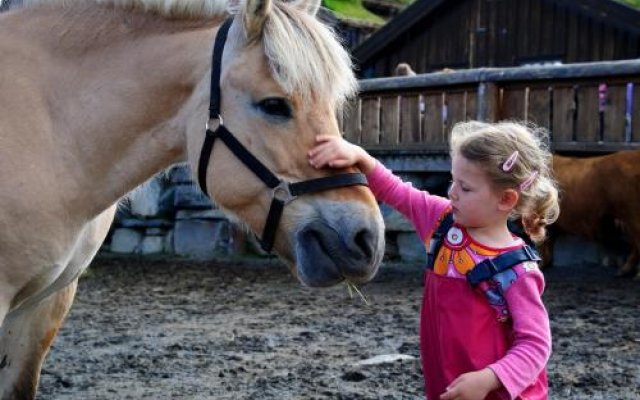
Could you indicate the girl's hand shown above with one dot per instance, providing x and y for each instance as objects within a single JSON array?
[
  {"x": 472, "y": 386},
  {"x": 335, "y": 152}
]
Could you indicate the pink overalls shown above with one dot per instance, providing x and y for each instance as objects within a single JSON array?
[{"x": 449, "y": 329}]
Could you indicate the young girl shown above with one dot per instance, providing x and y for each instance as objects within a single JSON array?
[{"x": 484, "y": 331}]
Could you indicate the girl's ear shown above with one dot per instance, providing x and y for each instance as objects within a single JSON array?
[{"x": 508, "y": 200}]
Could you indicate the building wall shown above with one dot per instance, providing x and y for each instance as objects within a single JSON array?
[{"x": 497, "y": 33}]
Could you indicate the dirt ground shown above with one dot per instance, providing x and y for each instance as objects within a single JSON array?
[{"x": 162, "y": 329}]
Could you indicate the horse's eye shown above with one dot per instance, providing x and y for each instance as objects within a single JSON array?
[{"x": 276, "y": 107}]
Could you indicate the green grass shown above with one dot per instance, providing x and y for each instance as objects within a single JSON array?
[
  {"x": 352, "y": 9},
  {"x": 632, "y": 3}
]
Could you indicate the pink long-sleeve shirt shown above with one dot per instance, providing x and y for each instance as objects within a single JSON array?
[{"x": 531, "y": 346}]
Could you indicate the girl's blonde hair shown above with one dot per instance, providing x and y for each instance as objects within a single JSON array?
[{"x": 514, "y": 156}]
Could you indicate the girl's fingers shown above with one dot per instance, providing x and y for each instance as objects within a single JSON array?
[
  {"x": 339, "y": 163},
  {"x": 323, "y": 138},
  {"x": 448, "y": 395},
  {"x": 321, "y": 155}
]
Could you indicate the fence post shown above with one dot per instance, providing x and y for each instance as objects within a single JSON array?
[{"x": 488, "y": 94}]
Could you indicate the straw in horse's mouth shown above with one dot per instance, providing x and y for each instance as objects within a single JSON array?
[{"x": 351, "y": 287}]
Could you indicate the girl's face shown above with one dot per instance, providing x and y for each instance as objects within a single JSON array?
[{"x": 474, "y": 200}]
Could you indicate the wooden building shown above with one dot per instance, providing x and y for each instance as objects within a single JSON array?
[{"x": 432, "y": 35}]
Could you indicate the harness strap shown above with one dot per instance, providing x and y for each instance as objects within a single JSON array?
[
  {"x": 216, "y": 67},
  {"x": 286, "y": 192},
  {"x": 488, "y": 268},
  {"x": 246, "y": 157},
  {"x": 327, "y": 182},
  {"x": 214, "y": 103},
  {"x": 437, "y": 238}
]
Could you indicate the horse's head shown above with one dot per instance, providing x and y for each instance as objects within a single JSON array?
[{"x": 283, "y": 76}]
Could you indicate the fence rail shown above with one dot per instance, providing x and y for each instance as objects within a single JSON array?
[{"x": 589, "y": 107}]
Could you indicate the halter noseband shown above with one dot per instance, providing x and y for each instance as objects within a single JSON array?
[{"x": 284, "y": 192}]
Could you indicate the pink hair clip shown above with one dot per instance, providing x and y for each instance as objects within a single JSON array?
[
  {"x": 527, "y": 182},
  {"x": 511, "y": 161}
]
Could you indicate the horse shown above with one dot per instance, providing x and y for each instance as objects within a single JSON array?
[
  {"x": 96, "y": 96},
  {"x": 600, "y": 200}
]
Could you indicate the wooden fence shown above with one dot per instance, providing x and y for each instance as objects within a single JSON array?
[{"x": 587, "y": 108}]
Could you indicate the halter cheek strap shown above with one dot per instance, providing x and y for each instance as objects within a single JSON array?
[{"x": 284, "y": 192}]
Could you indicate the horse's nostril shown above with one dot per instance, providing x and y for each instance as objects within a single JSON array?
[{"x": 364, "y": 242}]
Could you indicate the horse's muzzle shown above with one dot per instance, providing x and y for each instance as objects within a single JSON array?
[{"x": 328, "y": 253}]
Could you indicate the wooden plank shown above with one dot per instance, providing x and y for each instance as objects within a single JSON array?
[
  {"x": 523, "y": 28},
  {"x": 580, "y": 148},
  {"x": 432, "y": 123},
  {"x": 512, "y": 32},
  {"x": 352, "y": 125},
  {"x": 410, "y": 119},
  {"x": 614, "y": 113},
  {"x": 471, "y": 109},
  {"x": 585, "y": 33},
  {"x": 512, "y": 104},
  {"x": 389, "y": 120},
  {"x": 370, "y": 120},
  {"x": 608, "y": 45},
  {"x": 559, "y": 30},
  {"x": 563, "y": 121},
  {"x": 456, "y": 109},
  {"x": 539, "y": 107},
  {"x": 635, "y": 113},
  {"x": 547, "y": 39},
  {"x": 597, "y": 29},
  {"x": 492, "y": 39},
  {"x": 572, "y": 38},
  {"x": 588, "y": 121},
  {"x": 533, "y": 44},
  {"x": 488, "y": 102}
]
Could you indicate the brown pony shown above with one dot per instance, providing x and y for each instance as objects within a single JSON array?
[
  {"x": 97, "y": 96},
  {"x": 600, "y": 197}
]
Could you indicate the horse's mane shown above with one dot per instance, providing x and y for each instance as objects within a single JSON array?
[
  {"x": 168, "y": 8},
  {"x": 305, "y": 56}
]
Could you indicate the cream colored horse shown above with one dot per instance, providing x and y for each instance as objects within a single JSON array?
[{"x": 95, "y": 98}]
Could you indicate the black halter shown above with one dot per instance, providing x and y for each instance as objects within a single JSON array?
[{"x": 283, "y": 192}]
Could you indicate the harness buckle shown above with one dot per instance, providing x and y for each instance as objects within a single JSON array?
[
  {"x": 533, "y": 256},
  {"x": 217, "y": 122},
  {"x": 282, "y": 192}
]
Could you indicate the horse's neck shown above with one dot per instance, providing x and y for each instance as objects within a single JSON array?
[{"x": 121, "y": 103}]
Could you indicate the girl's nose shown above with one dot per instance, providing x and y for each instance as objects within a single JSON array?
[{"x": 451, "y": 191}]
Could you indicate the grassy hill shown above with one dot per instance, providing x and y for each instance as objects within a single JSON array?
[{"x": 352, "y": 9}]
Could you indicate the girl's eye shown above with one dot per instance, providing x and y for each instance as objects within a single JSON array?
[{"x": 275, "y": 107}]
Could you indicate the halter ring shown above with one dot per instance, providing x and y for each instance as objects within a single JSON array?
[
  {"x": 218, "y": 120},
  {"x": 282, "y": 192}
]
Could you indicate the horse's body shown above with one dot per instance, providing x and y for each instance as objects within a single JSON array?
[
  {"x": 95, "y": 99},
  {"x": 600, "y": 197}
]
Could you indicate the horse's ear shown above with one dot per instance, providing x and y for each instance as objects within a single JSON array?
[
  {"x": 254, "y": 16},
  {"x": 310, "y": 6}
]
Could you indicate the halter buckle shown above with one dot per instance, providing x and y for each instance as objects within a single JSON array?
[
  {"x": 282, "y": 192},
  {"x": 217, "y": 122}
]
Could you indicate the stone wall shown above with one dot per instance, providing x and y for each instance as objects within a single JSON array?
[{"x": 170, "y": 215}]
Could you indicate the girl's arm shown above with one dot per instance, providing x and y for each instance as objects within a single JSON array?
[
  {"x": 420, "y": 207},
  {"x": 531, "y": 347}
]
